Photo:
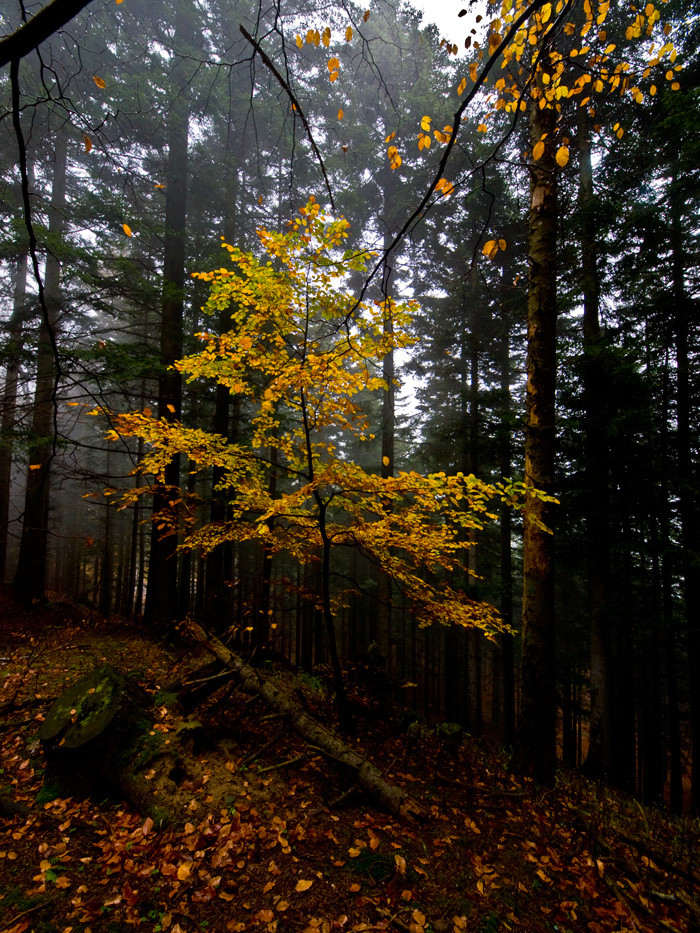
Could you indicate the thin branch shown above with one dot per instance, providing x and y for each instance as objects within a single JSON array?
[
  {"x": 457, "y": 119},
  {"x": 267, "y": 61}
]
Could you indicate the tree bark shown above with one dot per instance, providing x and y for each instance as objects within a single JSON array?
[
  {"x": 598, "y": 762},
  {"x": 162, "y": 590},
  {"x": 535, "y": 748},
  {"x": 367, "y": 775},
  {"x": 30, "y": 574},
  {"x": 686, "y": 478},
  {"x": 9, "y": 402}
]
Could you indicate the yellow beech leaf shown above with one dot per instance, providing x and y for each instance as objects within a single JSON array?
[
  {"x": 537, "y": 150},
  {"x": 562, "y": 156},
  {"x": 300, "y": 41},
  {"x": 183, "y": 872},
  {"x": 490, "y": 248},
  {"x": 386, "y": 461},
  {"x": 400, "y": 863},
  {"x": 326, "y": 37},
  {"x": 98, "y": 81},
  {"x": 390, "y": 137},
  {"x": 127, "y": 229},
  {"x": 461, "y": 87},
  {"x": 425, "y": 124},
  {"x": 348, "y": 34},
  {"x": 501, "y": 244},
  {"x": 340, "y": 113},
  {"x": 473, "y": 71},
  {"x": 303, "y": 886}
]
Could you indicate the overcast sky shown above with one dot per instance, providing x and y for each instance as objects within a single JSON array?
[{"x": 445, "y": 15}]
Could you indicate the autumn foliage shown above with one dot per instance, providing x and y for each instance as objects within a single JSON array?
[{"x": 303, "y": 353}]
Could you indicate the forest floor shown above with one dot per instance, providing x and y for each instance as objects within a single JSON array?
[{"x": 270, "y": 839}]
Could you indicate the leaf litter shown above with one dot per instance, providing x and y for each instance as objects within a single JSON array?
[{"x": 259, "y": 848}]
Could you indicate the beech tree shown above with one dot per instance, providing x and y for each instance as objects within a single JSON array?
[{"x": 302, "y": 351}]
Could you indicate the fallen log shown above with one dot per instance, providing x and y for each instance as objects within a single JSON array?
[{"x": 367, "y": 775}]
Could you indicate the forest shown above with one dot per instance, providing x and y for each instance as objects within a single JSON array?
[{"x": 342, "y": 354}]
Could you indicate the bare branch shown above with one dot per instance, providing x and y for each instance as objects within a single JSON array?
[
  {"x": 295, "y": 103},
  {"x": 39, "y": 28}
]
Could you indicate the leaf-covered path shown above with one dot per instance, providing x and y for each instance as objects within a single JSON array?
[{"x": 273, "y": 837}]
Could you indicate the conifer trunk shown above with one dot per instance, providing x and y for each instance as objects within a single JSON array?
[
  {"x": 9, "y": 402},
  {"x": 598, "y": 762},
  {"x": 535, "y": 751},
  {"x": 30, "y": 575},
  {"x": 686, "y": 478},
  {"x": 162, "y": 589}
]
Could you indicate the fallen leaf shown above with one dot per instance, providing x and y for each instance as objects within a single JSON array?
[
  {"x": 303, "y": 885},
  {"x": 183, "y": 872}
]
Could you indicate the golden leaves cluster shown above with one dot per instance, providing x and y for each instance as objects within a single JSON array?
[{"x": 302, "y": 354}]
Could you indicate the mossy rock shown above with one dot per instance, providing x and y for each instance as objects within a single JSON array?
[{"x": 84, "y": 710}]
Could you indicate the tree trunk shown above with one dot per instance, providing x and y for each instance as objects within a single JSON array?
[
  {"x": 9, "y": 402},
  {"x": 506, "y": 528},
  {"x": 535, "y": 750},
  {"x": 30, "y": 575},
  {"x": 686, "y": 478},
  {"x": 162, "y": 590},
  {"x": 598, "y": 762}
]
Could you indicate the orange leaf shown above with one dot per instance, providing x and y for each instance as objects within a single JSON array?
[
  {"x": 366, "y": 16},
  {"x": 562, "y": 156},
  {"x": 340, "y": 113},
  {"x": 98, "y": 81},
  {"x": 303, "y": 885},
  {"x": 538, "y": 150},
  {"x": 127, "y": 229},
  {"x": 348, "y": 34},
  {"x": 88, "y": 143},
  {"x": 183, "y": 872}
]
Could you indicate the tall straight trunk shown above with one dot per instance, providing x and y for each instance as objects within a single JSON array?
[
  {"x": 217, "y": 597},
  {"x": 30, "y": 575},
  {"x": 386, "y": 643},
  {"x": 535, "y": 749},
  {"x": 9, "y": 402},
  {"x": 506, "y": 527},
  {"x": 690, "y": 536},
  {"x": 667, "y": 613},
  {"x": 598, "y": 762},
  {"x": 162, "y": 589}
]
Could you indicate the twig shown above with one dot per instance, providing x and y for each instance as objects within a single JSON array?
[
  {"x": 283, "y": 764},
  {"x": 251, "y": 756},
  {"x": 344, "y": 796},
  {"x": 24, "y": 913},
  {"x": 267, "y": 61}
]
